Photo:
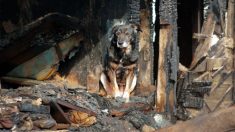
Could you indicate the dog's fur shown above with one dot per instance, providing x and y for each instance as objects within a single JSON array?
[{"x": 120, "y": 75}]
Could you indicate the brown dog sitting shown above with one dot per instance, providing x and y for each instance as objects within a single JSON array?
[{"x": 120, "y": 75}]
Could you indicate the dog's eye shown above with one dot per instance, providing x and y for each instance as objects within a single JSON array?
[
  {"x": 127, "y": 33},
  {"x": 118, "y": 33}
]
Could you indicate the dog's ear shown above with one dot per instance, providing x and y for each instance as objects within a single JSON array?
[
  {"x": 136, "y": 28},
  {"x": 114, "y": 29},
  {"x": 112, "y": 32}
]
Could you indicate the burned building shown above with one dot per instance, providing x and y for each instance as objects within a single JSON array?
[{"x": 52, "y": 55}]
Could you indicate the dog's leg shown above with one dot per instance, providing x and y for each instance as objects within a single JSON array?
[
  {"x": 131, "y": 81},
  {"x": 110, "y": 85},
  {"x": 117, "y": 92},
  {"x": 106, "y": 84}
]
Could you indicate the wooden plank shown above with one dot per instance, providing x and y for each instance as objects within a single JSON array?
[
  {"x": 223, "y": 97},
  {"x": 204, "y": 44},
  {"x": 145, "y": 56},
  {"x": 21, "y": 81},
  {"x": 230, "y": 19},
  {"x": 168, "y": 59},
  {"x": 201, "y": 67},
  {"x": 165, "y": 39},
  {"x": 215, "y": 63},
  {"x": 230, "y": 34}
]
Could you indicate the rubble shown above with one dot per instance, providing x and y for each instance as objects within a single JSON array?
[{"x": 49, "y": 106}]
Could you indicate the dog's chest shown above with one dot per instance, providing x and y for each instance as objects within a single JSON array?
[{"x": 121, "y": 56}]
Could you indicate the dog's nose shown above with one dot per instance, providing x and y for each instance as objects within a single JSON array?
[{"x": 120, "y": 43}]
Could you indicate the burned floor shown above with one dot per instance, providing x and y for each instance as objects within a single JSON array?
[{"x": 52, "y": 56}]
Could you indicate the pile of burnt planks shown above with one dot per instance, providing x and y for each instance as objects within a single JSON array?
[{"x": 213, "y": 63}]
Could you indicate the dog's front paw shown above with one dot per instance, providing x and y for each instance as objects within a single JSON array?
[
  {"x": 126, "y": 96},
  {"x": 117, "y": 94}
]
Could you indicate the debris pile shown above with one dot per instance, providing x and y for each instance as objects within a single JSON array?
[{"x": 52, "y": 106}]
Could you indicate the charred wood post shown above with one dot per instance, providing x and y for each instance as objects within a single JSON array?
[
  {"x": 168, "y": 57},
  {"x": 133, "y": 10}
]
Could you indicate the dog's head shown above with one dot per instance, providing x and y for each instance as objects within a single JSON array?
[{"x": 123, "y": 35}]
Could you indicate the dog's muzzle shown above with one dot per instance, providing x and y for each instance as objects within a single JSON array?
[{"x": 122, "y": 44}]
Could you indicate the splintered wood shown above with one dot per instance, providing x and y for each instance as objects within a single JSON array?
[
  {"x": 216, "y": 62},
  {"x": 165, "y": 41}
]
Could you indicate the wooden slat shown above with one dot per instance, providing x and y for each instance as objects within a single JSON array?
[
  {"x": 223, "y": 97},
  {"x": 204, "y": 44}
]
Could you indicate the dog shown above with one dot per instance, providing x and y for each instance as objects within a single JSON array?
[{"x": 119, "y": 77}]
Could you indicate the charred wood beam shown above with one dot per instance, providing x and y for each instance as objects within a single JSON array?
[
  {"x": 167, "y": 69},
  {"x": 190, "y": 92},
  {"x": 230, "y": 19},
  {"x": 161, "y": 101},
  {"x": 133, "y": 9},
  {"x": 168, "y": 60}
]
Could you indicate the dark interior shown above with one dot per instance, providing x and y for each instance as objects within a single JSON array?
[{"x": 190, "y": 17}]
